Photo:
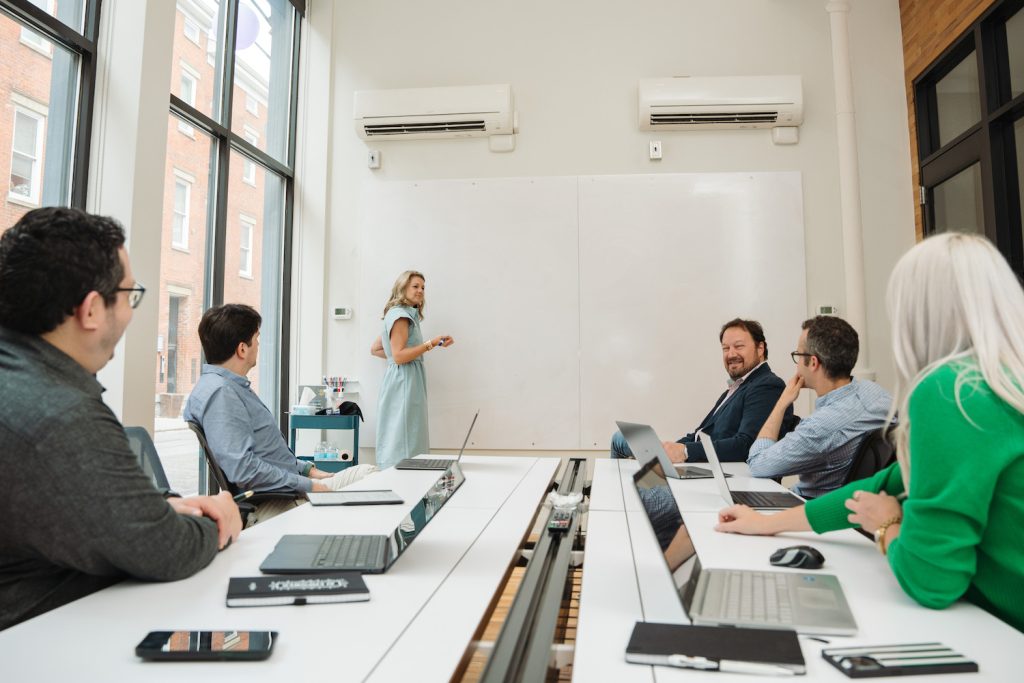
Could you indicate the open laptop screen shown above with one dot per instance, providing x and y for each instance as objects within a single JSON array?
[
  {"x": 421, "y": 514},
  {"x": 662, "y": 512}
]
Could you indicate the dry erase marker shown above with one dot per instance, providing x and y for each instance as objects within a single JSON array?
[{"x": 242, "y": 496}]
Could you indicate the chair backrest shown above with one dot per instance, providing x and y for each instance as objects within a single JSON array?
[
  {"x": 215, "y": 471},
  {"x": 874, "y": 454},
  {"x": 144, "y": 449}
]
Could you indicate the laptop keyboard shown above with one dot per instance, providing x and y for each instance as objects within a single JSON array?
[
  {"x": 348, "y": 552},
  {"x": 748, "y": 596},
  {"x": 420, "y": 464},
  {"x": 756, "y": 499}
]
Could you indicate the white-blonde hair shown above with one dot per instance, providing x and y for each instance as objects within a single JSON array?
[
  {"x": 397, "y": 297},
  {"x": 953, "y": 297}
]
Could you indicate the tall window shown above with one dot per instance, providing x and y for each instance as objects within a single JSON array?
[
  {"x": 228, "y": 192},
  {"x": 189, "y": 79},
  {"x": 182, "y": 204},
  {"x": 970, "y": 121},
  {"x": 246, "y": 229},
  {"x": 47, "y": 72},
  {"x": 26, "y": 157}
]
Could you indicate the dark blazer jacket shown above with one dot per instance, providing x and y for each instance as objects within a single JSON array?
[{"x": 734, "y": 428}]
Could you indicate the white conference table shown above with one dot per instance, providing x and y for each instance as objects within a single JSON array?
[
  {"x": 620, "y": 588},
  {"x": 421, "y": 616}
]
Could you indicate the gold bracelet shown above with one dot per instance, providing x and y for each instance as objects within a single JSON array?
[
  {"x": 428, "y": 345},
  {"x": 880, "y": 532}
]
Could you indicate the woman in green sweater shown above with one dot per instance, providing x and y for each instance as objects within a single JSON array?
[{"x": 949, "y": 515}]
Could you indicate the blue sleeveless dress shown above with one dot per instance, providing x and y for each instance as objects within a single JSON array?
[{"x": 402, "y": 403}]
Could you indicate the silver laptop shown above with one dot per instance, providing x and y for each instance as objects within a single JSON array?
[
  {"x": 436, "y": 463},
  {"x": 646, "y": 446},
  {"x": 808, "y": 603},
  {"x": 763, "y": 500},
  {"x": 366, "y": 553}
]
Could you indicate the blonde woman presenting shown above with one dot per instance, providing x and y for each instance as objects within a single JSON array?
[
  {"x": 948, "y": 516},
  {"x": 402, "y": 404}
]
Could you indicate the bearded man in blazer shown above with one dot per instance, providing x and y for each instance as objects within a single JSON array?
[{"x": 738, "y": 414}]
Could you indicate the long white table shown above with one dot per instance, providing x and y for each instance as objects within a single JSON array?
[
  {"x": 620, "y": 588},
  {"x": 421, "y": 616}
]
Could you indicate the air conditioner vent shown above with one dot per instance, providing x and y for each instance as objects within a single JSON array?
[
  {"x": 434, "y": 113},
  {"x": 410, "y": 128},
  {"x": 714, "y": 117},
  {"x": 719, "y": 103}
]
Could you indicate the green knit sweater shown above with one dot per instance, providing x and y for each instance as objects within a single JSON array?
[{"x": 963, "y": 522}]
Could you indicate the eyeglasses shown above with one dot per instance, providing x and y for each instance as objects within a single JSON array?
[
  {"x": 796, "y": 354},
  {"x": 134, "y": 294}
]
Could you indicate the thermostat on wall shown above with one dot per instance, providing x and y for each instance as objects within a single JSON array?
[
  {"x": 827, "y": 310},
  {"x": 342, "y": 312}
]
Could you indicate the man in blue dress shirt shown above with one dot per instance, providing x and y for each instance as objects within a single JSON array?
[
  {"x": 822, "y": 447},
  {"x": 241, "y": 431}
]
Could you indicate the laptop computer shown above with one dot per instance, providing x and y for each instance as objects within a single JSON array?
[
  {"x": 436, "y": 463},
  {"x": 369, "y": 554},
  {"x": 646, "y": 446},
  {"x": 808, "y": 603},
  {"x": 764, "y": 500}
]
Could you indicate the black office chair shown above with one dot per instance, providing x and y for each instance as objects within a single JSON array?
[
  {"x": 875, "y": 453},
  {"x": 144, "y": 449},
  {"x": 218, "y": 481}
]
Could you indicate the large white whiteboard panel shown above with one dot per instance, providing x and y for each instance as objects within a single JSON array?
[
  {"x": 664, "y": 261},
  {"x": 501, "y": 262}
]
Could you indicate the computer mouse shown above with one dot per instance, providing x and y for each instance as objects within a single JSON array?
[{"x": 798, "y": 557}]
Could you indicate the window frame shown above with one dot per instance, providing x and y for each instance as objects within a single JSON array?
[
  {"x": 248, "y": 165},
  {"x": 185, "y": 181},
  {"x": 225, "y": 141},
  {"x": 990, "y": 142},
  {"x": 83, "y": 45},
  {"x": 187, "y": 73},
  {"x": 35, "y": 182},
  {"x": 246, "y": 224}
]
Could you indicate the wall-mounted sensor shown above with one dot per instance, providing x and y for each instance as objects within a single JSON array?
[
  {"x": 341, "y": 312},
  {"x": 827, "y": 310}
]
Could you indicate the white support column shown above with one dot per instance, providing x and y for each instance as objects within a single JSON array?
[
  {"x": 849, "y": 180},
  {"x": 126, "y": 177}
]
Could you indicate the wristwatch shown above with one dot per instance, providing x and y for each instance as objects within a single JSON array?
[{"x": 882, "y": 528}]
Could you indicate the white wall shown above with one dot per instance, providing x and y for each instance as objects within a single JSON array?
[{"x": 574, "y": 65}]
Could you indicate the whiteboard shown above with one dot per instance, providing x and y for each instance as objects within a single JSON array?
[
  {"x": 502, "y": 277},
  {"x": 665, "y": 260},
  {"x": 578, "y": 301}
]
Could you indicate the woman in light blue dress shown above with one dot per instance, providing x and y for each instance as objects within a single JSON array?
[{"x": 402, "y": 404}]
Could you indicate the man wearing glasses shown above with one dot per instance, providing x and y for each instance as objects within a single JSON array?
[
  {"x": 78, "y": 513},
  {"x": 822, "y": 447}
]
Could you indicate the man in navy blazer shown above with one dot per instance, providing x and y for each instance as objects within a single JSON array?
[{"x": 741, "y": 410}]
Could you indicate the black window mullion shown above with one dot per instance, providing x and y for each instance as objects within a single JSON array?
[
  {"x": 220, "y": 222},
  {"x": 988, "y": 91}
]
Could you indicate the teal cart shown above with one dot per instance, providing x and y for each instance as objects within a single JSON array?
[{"x": 326, "y": 422}]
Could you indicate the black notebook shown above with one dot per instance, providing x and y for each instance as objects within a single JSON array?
[
  {"x": 912, "y": 659},
  {"x": 716, "y": 648},
  {"x": 260, "y": 591}
]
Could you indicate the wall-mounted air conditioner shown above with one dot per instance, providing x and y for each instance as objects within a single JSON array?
[
  {"x": 430, "y": 113},
  {"x": 717, "y": 103}
]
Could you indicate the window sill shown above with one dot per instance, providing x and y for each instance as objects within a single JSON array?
[
  {"x": 22, "y": 200},
  {"x": 178, "y": 247}
]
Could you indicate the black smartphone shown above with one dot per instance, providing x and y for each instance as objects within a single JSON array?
[{"x": 182, "y": 646}]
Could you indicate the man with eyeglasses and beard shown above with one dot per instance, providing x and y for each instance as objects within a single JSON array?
[{"x": 78, "y": 513}]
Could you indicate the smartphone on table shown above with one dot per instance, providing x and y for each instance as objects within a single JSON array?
[{"x": 182, "y": 646}]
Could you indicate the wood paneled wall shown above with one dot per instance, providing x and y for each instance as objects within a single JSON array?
[{"x": 929, "y": 27}]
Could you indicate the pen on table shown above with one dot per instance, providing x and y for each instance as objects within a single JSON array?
[{"x": 242, "y": 496}]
